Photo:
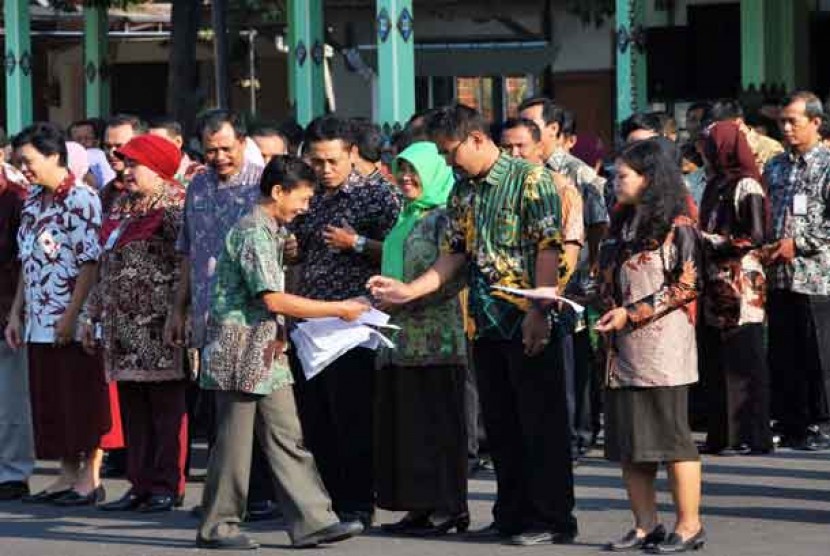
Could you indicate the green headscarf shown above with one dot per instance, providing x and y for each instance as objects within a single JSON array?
[{"x": 436, "y": 182}]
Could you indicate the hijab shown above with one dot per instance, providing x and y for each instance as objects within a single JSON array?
[{"x": 436, "y": 182}]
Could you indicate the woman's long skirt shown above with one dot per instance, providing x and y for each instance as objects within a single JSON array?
[{"x": 421, "y": 443}]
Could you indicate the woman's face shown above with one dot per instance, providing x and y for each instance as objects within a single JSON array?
[
  {"x": 628, "y": 184},
  {"x": 140, "y": 179},
  {"x": 294, "y": 202},
  {"x": 36, "y": 167},
  {"x": 408, "y": 181}
]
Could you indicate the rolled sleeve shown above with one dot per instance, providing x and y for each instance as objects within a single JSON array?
[{"x": 542, "y": 211}]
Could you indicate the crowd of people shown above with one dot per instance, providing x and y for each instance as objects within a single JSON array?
[{"x": 149, "y": 288}]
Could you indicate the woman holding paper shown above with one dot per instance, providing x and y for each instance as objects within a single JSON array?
[
  {"x": 421, "y": 457},
  {"x": 651, "y": 279}
]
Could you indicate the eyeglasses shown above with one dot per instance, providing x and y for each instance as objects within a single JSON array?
[{"x": 450, "y": 154}]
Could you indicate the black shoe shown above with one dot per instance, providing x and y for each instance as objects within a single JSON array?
[
  {"x": 490, "y": 533},
  {"x": 261, "y": 511},
  {"x": 126, "y": 503},
  {"x": 239, "y": 542},
  {"x": 331, "y": 534},
  {"x": 674, "y": 544},
  {"x": 13, "y": 490},
  {"x": 814, "y": 441},
  {"x": 73, "y": 498},
  {"x": 411, "y": 523},
  {"x": 536, "y": 537},
  {"x": 157, "y": 503},
  {"x": 632, "y": 542},
  {"x": 459, "y": 522},
  {"x": 44, "y": 497}
]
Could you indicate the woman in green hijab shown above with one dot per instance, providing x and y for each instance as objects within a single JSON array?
[{"x": 421, "y": 458}]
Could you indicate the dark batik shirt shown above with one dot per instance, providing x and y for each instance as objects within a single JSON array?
[
  {"x": 13, "y": 191},
  {"x": 329, "y": 274}
]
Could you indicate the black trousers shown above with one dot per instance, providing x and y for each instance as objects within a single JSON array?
[
  {"x": 578, "y": 364},
  {"x": 799, "y": 359},
  {"x": 336, "y": 411},
  {"x": 525, "y": 413}
]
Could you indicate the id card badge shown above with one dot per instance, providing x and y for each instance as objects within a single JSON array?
[
  {"x": 800, "y": 205},
  {"x": 114, "y": 235}
]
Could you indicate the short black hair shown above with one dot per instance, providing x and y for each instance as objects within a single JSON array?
[
  {"x": 213, "y": 121},
  {"x": 690, "y": 153},
  {"x": 568, "y": 123},
  {"x": 287, "y": 171},
  {"x": 726, "y": 109},
  {"x": 456, "y": 121},
  {"x": 167, "y": 123},
  {"x": 641, "y": 120},
  {"x": 824, "y": 128},
  {"x": 813, "y": 107},
  {"x": 293, "y": 132},
  {"x": 138, "y": 125},
  {"x": 95, "y": 125},
  {"x": 46, "y": 138},
  {"x": 530, "y": 125},
  {"x": 552, "y": 113},
  {"x": 369, "y": 140},
  {"x": 329, "y": 128}
]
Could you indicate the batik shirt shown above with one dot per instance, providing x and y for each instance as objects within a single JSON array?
[
  {"x": 13, "y": 191},
  {"x": 55, "y": 243},
  {"x": 501, "y": 222},
  {"x": 371, "y": 209},
  {"x": 246, "y": 343},
  {"x": 790, "y": 179},
  {"x": 212, "y": 207}
]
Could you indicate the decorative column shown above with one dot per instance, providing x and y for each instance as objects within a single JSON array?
[
  {"x": 780, "y": 42},
  {"x": 305, "y": 69},
  {"x": 632, "y": 84},
  {"x": 18, "y": 65},
  {"x": 396, "y": 62},
  {"x": 96, "y": 61}
]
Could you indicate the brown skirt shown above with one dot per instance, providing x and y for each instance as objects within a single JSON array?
[{"x": 70, "y": 404}]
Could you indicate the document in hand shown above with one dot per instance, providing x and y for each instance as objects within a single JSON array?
[
  {"x": 541, "y": 293},
  {"x": 320, "y": 342}
]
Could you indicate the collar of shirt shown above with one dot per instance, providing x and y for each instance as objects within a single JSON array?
[
  {"x": 240, "y": 178},
  {"x": 557, "y": 158},
  {"x": 267, "y": 220},
  {"x": 500, "y": 170},
  {"x": 808, "y": 156},
  {"x": 61, "y": 191},
  {"x": 353, "y": 180}
]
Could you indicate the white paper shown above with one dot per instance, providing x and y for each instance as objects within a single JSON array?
[
  {"x": 541, "y": 293},
  {"x": 320, "y": 342}
]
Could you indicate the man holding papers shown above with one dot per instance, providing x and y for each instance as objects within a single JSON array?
[
  {"x": 244, "y": 361},
  {"x": 505, "y": 221}
]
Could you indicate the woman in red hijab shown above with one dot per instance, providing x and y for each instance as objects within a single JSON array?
[
  {"x": 137, "y": 275},
  {"x": 734, "y": 215}
]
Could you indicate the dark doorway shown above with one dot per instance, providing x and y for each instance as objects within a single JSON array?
[{"x": 140, "y": 89}]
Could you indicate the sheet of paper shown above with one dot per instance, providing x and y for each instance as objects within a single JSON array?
[{"x": 541, "y": 293}]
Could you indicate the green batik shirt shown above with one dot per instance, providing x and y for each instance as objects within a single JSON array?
[
  {"x": 246, "y": 344},
  {"x": 500, "y": 223}
]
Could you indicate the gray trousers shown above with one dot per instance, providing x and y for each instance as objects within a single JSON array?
[
  {"x": 300, "y": 492},
  {"x": 17, "y": 453}
]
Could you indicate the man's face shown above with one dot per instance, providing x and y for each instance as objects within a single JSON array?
[
  {"x": 115, "y": 138},
  {"x": 550, "y": 133},
  {"x": 799, "y": 130},
  {"x": 332, "y": 162},
  {"x": 85, "y": 135},
  {"x": 164, "y": 133},
  {"x": 270, "y": 146},
  {"x": 224, "y": 151},
  {"x": 519, "y": 142},
  {"x": 462, "y": 154},
  {"x": 693, "y": 118}
]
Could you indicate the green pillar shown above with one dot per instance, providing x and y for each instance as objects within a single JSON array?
[
  {"x": 18, "y": 65},
  {"x": 780, "y": 45},
  {"x": 753, "y": 43},
  {"x": 396, "y": 61},
  {"x": 307, "y": 43},
  {"x": 632, "y": 84},
  {"x": 96, "y": 65}
]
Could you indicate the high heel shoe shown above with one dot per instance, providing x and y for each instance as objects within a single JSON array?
[
  {"x": 45, "y": 497},
  {"x": 631, "y": 541},
  {"x": 459, "y": 522},
  {"x": 74, "y": 498},
  {"x": 410, "y": 523},
  {"x": 675, "y": 544}
]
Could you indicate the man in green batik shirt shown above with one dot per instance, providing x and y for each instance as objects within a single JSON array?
[
  {"x": 244, "y": 361},
  {"x": 505, "y": 222}
]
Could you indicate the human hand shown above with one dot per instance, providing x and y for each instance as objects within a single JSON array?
[
  {"x": 344, "y": 238},
  {"x": 535, "y": 332},
  {"x": 351, "y": 309},
  {"x": 612, "y": 321},
  {"x": 388, "y": 290},
  {"x": 174, "y": 333},
  {"x": 13, "y": 332},
  {"x": 87, "y": 333},
  {"x": 65, "y": 329},
  {"x": 783, "y": 251}
]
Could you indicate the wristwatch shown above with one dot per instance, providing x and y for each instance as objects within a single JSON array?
[{"x": 360, "y": 244}]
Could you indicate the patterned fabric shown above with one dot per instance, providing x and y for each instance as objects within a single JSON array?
[
  {"x": 736, "y": 288},
  {"x": 246, "y": 343},
  {"x": 137, "y": 279},
  {"x": 55, "y": 242},
  {"x": 562, "y": 162},
  {"x": 764, "y": 148},
  {"x": 696, "y": 184},
  {"x": 787, "y": 176},
  {"x": 211, "y": 209},
  {"x": 432, "y": 329},
  {"x": 500, "y": 223},
  {"x": 109, "y": 194},
  {"x": 371, "y": 209},
  {"x": 657, "y": 286},
  {"x": 13, "y": 191},
  {"x": 573, "y": 222}
]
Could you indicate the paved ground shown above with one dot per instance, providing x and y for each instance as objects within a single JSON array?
[{"x": 761, "y": 506}]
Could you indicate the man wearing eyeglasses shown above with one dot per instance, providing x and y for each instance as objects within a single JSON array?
[{"x": 120, "y": 129}]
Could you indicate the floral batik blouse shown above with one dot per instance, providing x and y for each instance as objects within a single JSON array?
[{"x": 657, "y": 285}]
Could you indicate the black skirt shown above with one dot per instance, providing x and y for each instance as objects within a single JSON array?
[
  {"x": 648, "y": 425},
  {"x": 421, "y": 439}
]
